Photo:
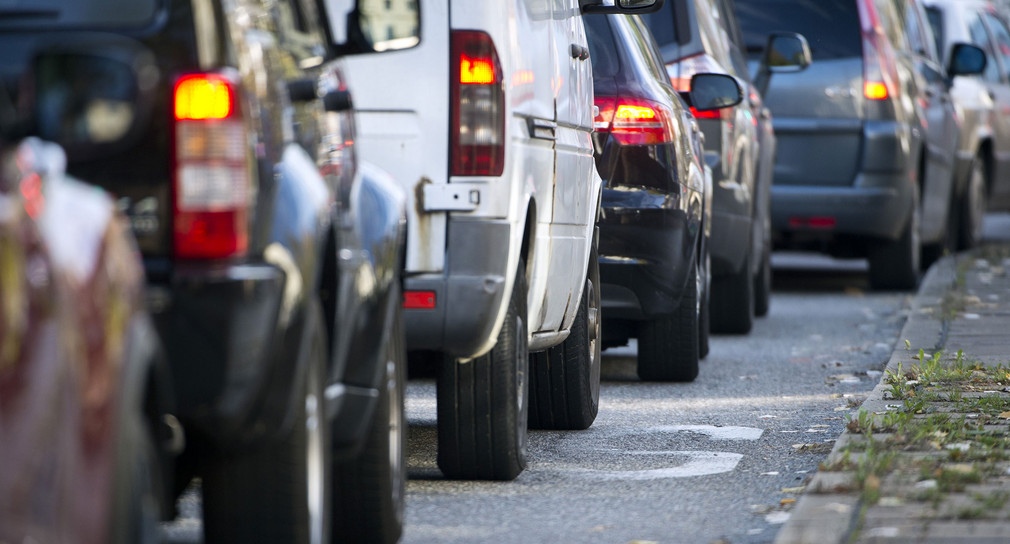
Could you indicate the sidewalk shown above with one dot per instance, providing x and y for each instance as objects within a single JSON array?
[{"x": 926, "y": 459}]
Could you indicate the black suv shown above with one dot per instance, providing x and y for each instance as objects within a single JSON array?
[{"x": 224, "y": 129}]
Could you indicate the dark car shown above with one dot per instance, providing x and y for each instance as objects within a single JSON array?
[
  {"x": 654, "y": 261},
  {"x": 82, "y": 386},
  {"x": 866, "y": 134},
  {"x": 697, "y": 36},
  {"x": 224, "y": 129}
]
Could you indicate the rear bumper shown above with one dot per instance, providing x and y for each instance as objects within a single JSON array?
[
  {"x": 468, "y": 294},
  {"x": 645, "y": 259},
  {"x": 876, "y": 207}
]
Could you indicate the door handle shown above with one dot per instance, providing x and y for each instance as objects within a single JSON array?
[{"x": 579, "y": 52}]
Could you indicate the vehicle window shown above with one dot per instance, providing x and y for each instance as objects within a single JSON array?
[
  {"x": 664, "y": 25},
  {"x": 301, "y": 35},
  {"x": 602, "y": 49},
  {"x": 890, "y": 20},
  {"x": 980, "y": 36},
  {"x": 935, "y": 17},
  {"x": 53, "y": 14},
  {"x": 1001, "y": 37},
  {"x": 649, "y": 49},
  {"x": 735, "y": 41},
  {"x": 831, "y": 27},
  {"x": 918, "y": 13},
  {"x": 910, "y": 23}
]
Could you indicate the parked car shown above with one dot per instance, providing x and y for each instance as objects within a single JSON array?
[
  {"x": 83, "y": 391},
  {"x": 699, "y": 36},
  {"x": 272, "y": 261},
  {"x": 985, "y": 153},
  {"x": 654, "y": 260},
  {"x": 503, "y": 203},
  {"x": 866, "y": 134}
]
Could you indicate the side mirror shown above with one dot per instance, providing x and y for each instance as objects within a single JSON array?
[
  {"x": 714, "y": 92},
  {"x": 966, "y": 60},
  {"x": 371, "y": 27},
  {"x": 621, "y": 6},
  {"x": 787, "y": 52}
]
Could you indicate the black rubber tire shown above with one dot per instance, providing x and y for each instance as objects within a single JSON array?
[
  {"x": 263, "y": 495},
  {"x": 895, "y": 265},
  {"x": 705, "y": 315},
  {"x": 483, "y": 403},
  {"x": 763, "y": 285},
  {"x": 369, "y": 490},
  {"x": 668, "y": 345},
  {"x": 565, "y": 379},
  {"x": 733, "y": 301},
  {"x": 972, "y": 206},
  {"x": 139, "y": 490}
]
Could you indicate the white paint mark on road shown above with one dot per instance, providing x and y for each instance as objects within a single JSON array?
[
  {"x": 699, "y": 463},
  {"x": 713, "y": 432},
  {"x": 777, "y": 518}
]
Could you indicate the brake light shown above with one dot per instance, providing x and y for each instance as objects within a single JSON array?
[
  {"x": 634, "y": 121},
  {"x": 880, "y": 74},
  {"x": 722, "y": 113},
  {"x": 478, "y": 106},
  {"x": 211, "y": 189}
]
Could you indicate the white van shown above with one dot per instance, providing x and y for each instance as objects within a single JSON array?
[{"x": 486, "y": 123}]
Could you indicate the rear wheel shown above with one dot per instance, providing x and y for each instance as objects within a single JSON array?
[
  {"x": 565, "y": 379},
  {"x": 733, "y": 300},
  {"x": 705, "y": 313},
  {"x": 369, "y": 491},
  {"x": 895, "y": 264},
  {"x": 972, "y": 206},
  {"x": 277, "y": 493},
  {"x": 668, "y": 345},
  {"x": 482, "y": 403},
  {"x": 763, "y": 285}
]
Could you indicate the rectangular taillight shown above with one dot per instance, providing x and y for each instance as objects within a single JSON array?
[
  {"x": 211, "y": 189},
  {"x": 477, "y": 106},
  {"x": 634, "y": 121}
]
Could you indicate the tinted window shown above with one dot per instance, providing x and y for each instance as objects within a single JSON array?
[
  {"x": 980, "y": 37},
  {"x": 663, "y": 25},
  {"x": 648, "y": 49},
  {"x": 602, "y": 49},
  {"x": 936, "y": 22},
  {"x": 830, "y": 26},
  {"x": 31, "y": 14},
  {"x": 1001, "y": 36}
]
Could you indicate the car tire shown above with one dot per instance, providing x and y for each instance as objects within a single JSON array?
[
  {"x": 668, "y": 345},
  {"x": 733, "y": 300},
  {"x": 895, "y": 265},
  {"x": 763, "y": 285},
  {"x": 369, "y": 490},
  {"x": 277, "y": 492},
  {"x": 705, "y": 314},
  {"x": 972, "y": 206},
  {"x": 482, "y": 403},
  {"x": 565, "y": 379},
  {"x": 139, "y": 490}
]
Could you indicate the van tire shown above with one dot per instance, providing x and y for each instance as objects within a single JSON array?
[
  {"x": 565, "y": 379},
  {"x": 263, "y": 495},
  {"x": 668, "y": 345},
  {"x": 483, "y": 403},
  {"x": 733, "y": 300},
  {"x": 369, "y": 490},
  {"x": 972, "y": 206},
  {"x": 895, "y": 264}
]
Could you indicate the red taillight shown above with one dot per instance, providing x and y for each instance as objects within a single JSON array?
[
  {"x": 211, "y": 172},
  {"x": 419, "y": 300},
  {"x": 880, "y": 75},
  {"x": 634, "y": 121},
  {"x": 816, "y": 222},
  {"x": 722, "y": 113},
  {"x": 478, "y": 106}
]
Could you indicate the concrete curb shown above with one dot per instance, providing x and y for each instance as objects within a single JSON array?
[{"x": 827, "y": 513}]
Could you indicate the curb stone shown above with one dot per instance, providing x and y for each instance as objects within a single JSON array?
[{"x": 829, "y": 511}]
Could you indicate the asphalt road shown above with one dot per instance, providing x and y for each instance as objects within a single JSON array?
[{"x": 717, "y": 460}]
